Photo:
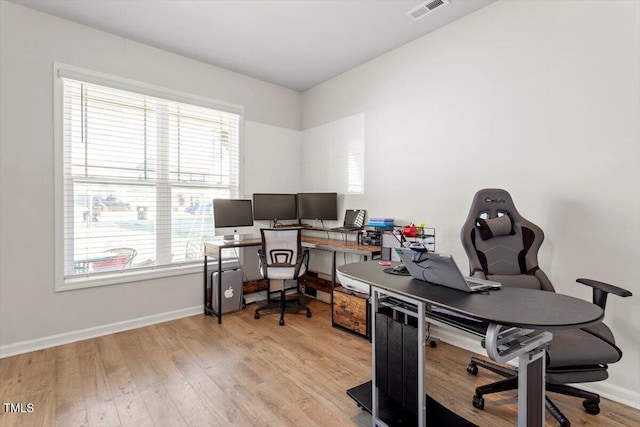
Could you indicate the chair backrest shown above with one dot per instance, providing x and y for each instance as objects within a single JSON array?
[
  {"x": 499, "y": 242},
  {"x": 281, "y": 253},
  {"x": 281, "y": 246}
]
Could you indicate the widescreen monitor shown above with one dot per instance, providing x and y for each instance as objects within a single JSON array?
[
  {"x": 322, "y": 206},
  {"x": 232, "y": 217},
  {"x": 275, "y": 207}
]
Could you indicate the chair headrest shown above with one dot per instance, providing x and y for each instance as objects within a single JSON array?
[{"x": 494, "y": 227}]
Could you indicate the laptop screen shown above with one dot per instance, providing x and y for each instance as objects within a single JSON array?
[{"x": 354, "y": 218}]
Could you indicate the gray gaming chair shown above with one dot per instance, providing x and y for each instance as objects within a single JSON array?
[
  {"x": 282, "y": 258},
  {"x": 503, "y": 246}
]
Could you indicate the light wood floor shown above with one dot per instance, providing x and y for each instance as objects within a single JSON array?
[{"x": 245, "y": 372}]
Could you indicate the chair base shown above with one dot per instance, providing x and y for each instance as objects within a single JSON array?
[
  {"x": 591, "y": 400},
  {"x": 283, "y": 304}
]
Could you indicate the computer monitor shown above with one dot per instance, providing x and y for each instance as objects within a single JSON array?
[
  {"x": 232, "y": 217},
  {"x": 275, "y": 207},
  {"x": 322, "y": 206}
]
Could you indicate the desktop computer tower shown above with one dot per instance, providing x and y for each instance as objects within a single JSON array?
[{"x": 231, "y": 291}]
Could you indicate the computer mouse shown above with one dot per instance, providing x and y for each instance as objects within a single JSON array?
[{"x": 400, "y": 268}]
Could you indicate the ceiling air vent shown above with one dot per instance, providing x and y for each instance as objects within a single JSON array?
[{"x": 425, "y": 8}]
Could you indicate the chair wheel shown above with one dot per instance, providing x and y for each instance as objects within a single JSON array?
[
  {"x": 433, "y": 344},
  {"x": 591, "y": 406},
  {"x": 472, "y": 368},
  {"x": 256, "y": 316},
  {"x": 478, "y": 402},
  {"x": 308, "y": 314},
  {"x": 281, "y": 323}
]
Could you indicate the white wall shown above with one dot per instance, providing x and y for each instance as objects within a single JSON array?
[
  {"x": 539, "y": 98},
  {"x": 31, "y": 314}
]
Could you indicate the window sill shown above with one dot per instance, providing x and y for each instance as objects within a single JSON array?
[{"x": 128, "y": 276}]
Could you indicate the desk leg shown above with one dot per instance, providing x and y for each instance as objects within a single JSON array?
[
  {"x": 204, "y": 298},
  {"x": 333, "y": 284},
  {"x": 333, "y": 272},
  {"x": 530, "y": 349},
  {"x": 531, "y": 389},
  {"x": 375, "y": 414},
  {"x": 422, "y": 336},
  {"x": 219, "y": 290}
]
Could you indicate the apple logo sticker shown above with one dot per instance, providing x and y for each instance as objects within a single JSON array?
[{"x": 228, "y": 293}]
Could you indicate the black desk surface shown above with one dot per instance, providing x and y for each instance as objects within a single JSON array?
[{"x": 523, "y": 308}]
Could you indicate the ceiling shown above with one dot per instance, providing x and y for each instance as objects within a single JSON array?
[{"x": 295, "y": 43}]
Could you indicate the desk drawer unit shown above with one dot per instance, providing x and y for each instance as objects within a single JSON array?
[{"x": 351, "y": 310}]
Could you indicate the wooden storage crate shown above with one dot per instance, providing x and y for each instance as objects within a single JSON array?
[{"x": 351, "y": 310}]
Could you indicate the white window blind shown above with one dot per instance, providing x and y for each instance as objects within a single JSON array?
[{"x": 140, "y": 173}]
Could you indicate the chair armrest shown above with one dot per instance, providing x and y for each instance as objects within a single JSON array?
[
  {"x": 601, "y": 290},
  {"x": 303, "y": 258}
]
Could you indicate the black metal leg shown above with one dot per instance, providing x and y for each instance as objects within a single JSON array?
[
  {"x": 505, "y": 372},
  {"x": 333, "y": 284},
  {"x": 219, "y": 290},
  {"x": 498, "y": 386},
  {"x": 572, "y": 391},
  {"x": 283, "y": 304},
  {"x": 204, "y": 297},
  {"x": 333, "y": 270},
  {"x": 556, "y": 413}
]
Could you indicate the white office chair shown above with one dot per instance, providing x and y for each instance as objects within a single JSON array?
[{"x": 282, "y": 258}]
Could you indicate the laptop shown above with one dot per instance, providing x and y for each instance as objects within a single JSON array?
[
  {"x": 441, "y": 270},
  {"x": 353, "y": 220}
]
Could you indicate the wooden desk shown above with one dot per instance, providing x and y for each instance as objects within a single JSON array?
[
  {"x": 515, "y": 318},
  {"x": 311, "y": 242}
]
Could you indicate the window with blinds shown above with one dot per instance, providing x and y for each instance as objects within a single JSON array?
[{"x": 139, "y": 176}]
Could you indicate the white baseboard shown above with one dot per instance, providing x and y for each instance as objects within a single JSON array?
[
  {"x": 471, "y": 343},
  {"x": 612, "y": 392},
  {"x": 83, "y": 334}
]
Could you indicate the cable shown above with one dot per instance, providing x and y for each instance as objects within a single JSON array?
[
  {"x": 326, "y": 231},
  {"x": 422, "y": 257}
]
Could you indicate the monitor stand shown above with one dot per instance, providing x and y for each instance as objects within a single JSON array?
[{"x": 236, "y": 238}]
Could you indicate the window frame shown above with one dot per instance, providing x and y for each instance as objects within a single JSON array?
[{"x": 64, "y": 283}]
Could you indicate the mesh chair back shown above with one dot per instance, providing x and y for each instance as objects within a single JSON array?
[{"x": 281, "y": 254}]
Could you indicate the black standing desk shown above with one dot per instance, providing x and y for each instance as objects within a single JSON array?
[{"x": 518, "y": 324}]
